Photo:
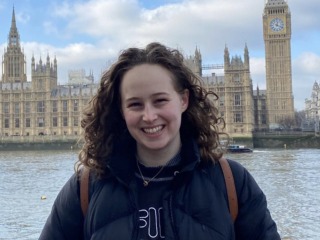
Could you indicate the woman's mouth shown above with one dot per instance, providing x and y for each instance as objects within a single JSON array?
[{"x": 153, "y": 130}]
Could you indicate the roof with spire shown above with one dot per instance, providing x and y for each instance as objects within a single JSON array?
[
  {"x": 13, "y": 34},
  {"x": 13, "y": 20}
]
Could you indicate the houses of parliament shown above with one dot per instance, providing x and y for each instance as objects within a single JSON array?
[{"x": 43, "y": 107}]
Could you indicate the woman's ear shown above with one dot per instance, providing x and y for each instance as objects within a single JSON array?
[{"x": 184, "y": 100}]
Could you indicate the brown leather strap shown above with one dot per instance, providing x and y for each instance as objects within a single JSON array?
[
  {"x": 84, "y": 190},
  {"x": 231, "y": 189}
]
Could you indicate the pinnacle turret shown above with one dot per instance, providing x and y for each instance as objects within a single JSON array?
[
  {"x": 13, "y": 38},
  {"x": 246, "y": 56},
  {"x": 226, "y": 57}
]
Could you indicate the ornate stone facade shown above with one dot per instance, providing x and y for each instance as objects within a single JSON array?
[
  {"x": 277, "y": 38},
  {"x": 244, "y": 109},
  {"x": 41, "y": 106},
  {"x": 235, "y": 93}
]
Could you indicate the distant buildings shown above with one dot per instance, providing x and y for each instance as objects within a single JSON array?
[
  {"x": 312, "y": 110},
  {"x": 79, "y": 77},
  {"x": 312, "y": 105},
  {"x": 235, "y": 94},
  {"x": 42, "y": 107},
  {"x": 244, "y": 109}
]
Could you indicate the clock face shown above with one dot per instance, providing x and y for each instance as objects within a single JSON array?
[{"x": 276, "y": 24}]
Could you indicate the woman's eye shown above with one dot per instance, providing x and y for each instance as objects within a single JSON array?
[
  {"x": 134, "y": 104},
  {"x": 161, "y": 100}
]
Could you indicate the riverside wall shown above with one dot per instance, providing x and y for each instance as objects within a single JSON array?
[
  {"x": 23, "y": 143},
  {"x": 290, "y": 140},
  {"x": 286, "y": 140}
]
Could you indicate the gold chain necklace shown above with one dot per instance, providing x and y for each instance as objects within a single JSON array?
[{"x": 145, "y": 182}]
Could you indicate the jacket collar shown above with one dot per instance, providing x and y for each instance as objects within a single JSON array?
[{"x": 122, "y": 161}]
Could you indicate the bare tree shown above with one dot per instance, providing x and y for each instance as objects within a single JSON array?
[
  {"x": 300, "y": 116},
  {"x": 287, "y": 123}
]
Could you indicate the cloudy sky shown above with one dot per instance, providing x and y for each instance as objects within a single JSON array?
[{"x": 90, "y": 34}]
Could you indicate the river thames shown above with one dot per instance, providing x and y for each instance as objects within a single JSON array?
[{"x": 289, "y": 178}]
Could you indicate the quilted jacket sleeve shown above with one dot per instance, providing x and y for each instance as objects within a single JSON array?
[
  {"x": 65, "y": 220},
  {"x": 254, "y": 221}
]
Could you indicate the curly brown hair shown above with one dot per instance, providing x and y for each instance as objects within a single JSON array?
[{"x": 102, "y": 120}]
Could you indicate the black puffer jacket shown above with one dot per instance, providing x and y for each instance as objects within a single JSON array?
[{"x": 195, "y": 208}]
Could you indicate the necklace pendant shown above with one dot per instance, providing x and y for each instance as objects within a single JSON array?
[{"x": 145, "y": 183}]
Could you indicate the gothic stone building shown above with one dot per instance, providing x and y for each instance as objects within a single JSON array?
[
  {"x": 244, "y": 109},
  {"x": 235, "y": 93},
  {"x": 41, "y": 106}
]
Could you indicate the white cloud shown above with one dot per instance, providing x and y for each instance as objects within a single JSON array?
[
  {"x": 50, "y": 28},
  {"x": 308, "y": 63},
  {"x": 62, "y": 9},
  {"x": 103, "y": 17},
  {"x": 257, "y": 69},
  {"x": 22, "y": 17},
  {"x": 305, "y": 15},
  {"x": 305, "y": 72},
  {"x": 94, "y": 31}
]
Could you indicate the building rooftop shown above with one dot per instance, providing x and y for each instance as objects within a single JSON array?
[{"x": 276, "y": 3}]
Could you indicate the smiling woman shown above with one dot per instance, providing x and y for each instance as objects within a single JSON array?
[
  {"x": 151, "y": 144},
  {"x": 153, "y": 112}
]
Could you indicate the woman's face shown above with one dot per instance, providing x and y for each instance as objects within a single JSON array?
[{"x": 152, "y": 108}]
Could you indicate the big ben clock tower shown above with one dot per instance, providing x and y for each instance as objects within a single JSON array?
[{"x": 277, "y": 38}]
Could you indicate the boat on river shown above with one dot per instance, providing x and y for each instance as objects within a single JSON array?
[{"x": 234, "y": 148}]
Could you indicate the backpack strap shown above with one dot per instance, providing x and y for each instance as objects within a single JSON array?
[
  {"x": 84, "y": 189},
  {"x": 231, "y": 189}
]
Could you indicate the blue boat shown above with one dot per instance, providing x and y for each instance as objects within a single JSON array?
[{"x": 233, "y": 148}]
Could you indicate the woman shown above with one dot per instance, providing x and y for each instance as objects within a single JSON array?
[{"x": 152, "y": 145}]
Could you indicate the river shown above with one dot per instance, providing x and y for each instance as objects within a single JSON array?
[{"x": 289, "y": 178}]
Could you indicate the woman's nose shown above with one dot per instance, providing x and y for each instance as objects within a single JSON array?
[{"x": 149, "y": 114}]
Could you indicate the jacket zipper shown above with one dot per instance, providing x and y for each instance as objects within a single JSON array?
[
  {"x": 135, "y": 219},
  {"x": 172, "y": 219},
  {"x": 136, "y": 225}
]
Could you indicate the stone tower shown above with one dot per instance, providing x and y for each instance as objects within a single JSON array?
[
  {"x": 277, "y": 38},
  {"x": 30, "y": 110},
  {"x": 44, "y": 76},
  {"x": 198, "y": 62},
  {"x": 13, "y": 61},
  {"x": 238, "y": 94},
  {"x": 194, "y": 62}
]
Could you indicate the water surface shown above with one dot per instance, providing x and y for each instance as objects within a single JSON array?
[{"x": 289, "y": 178}]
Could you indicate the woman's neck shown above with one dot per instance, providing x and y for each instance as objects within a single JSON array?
[{"x": 155, "y": 158}]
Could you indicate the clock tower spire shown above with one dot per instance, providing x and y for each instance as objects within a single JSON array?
[{"x": 277, "y": 38}]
